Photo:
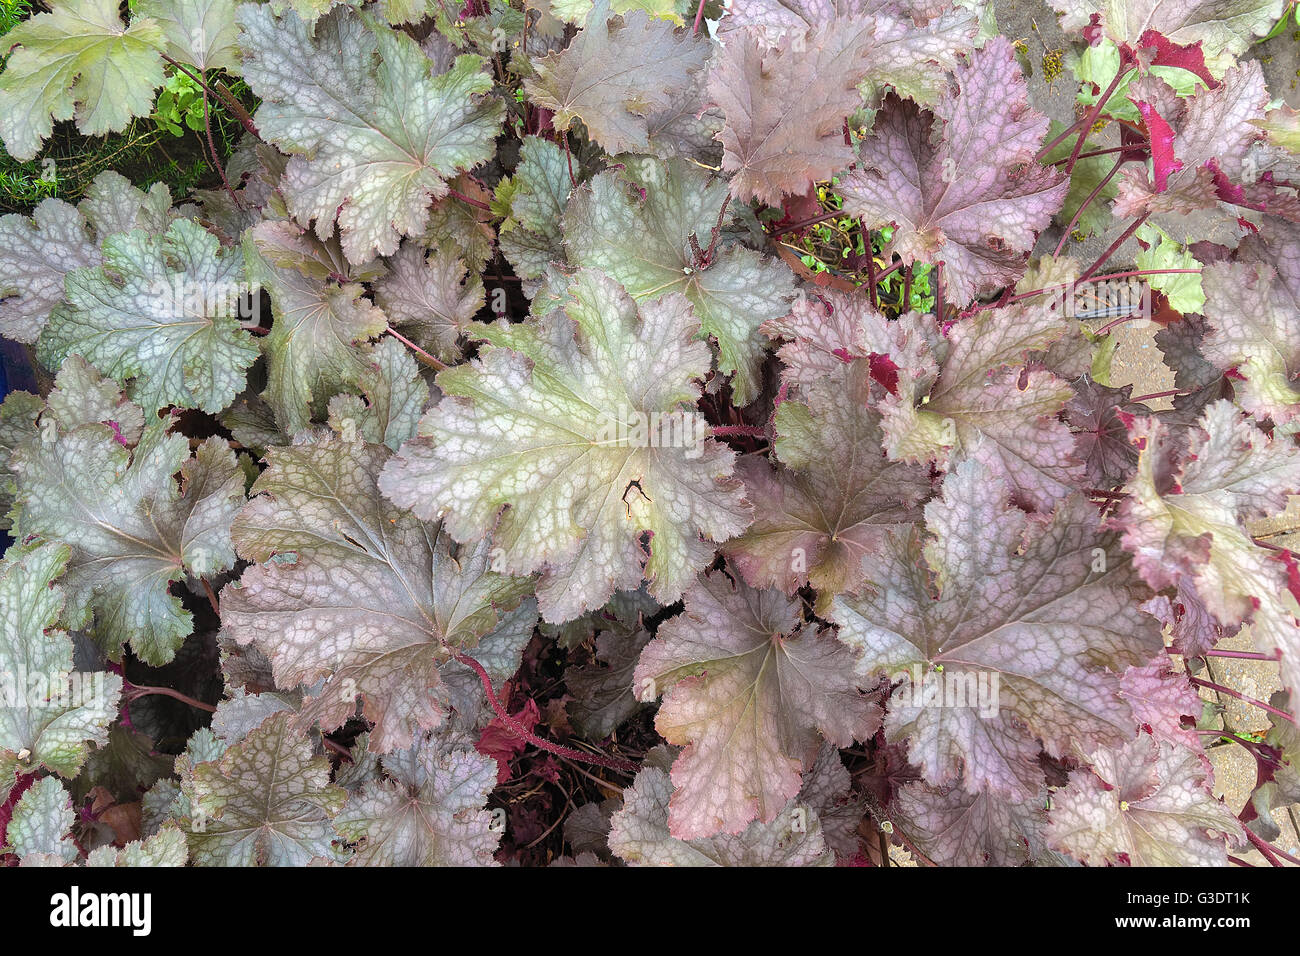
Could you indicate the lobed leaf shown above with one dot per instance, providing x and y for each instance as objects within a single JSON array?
[
  {"x": 960, "y": 185},
  {"x": 1020, "y": 633},
  {"x": 359, "y": 593},
  {"x": 748, "y": 697},
  {"x": 78, "y": 61},
  {"x": 374, "y": 135},
  {"x": 554, "y": 421}
]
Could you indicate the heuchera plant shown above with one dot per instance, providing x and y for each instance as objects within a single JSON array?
[{"x": 481, "y": 455}]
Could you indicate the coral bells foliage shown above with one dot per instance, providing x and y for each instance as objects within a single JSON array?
[{"x": 483, "y": 442}]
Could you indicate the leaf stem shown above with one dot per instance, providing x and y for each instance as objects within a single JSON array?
[
  {"x": 1103, "y": 152},
  {"x": 136, "y": 691},
  {"x": 457, "y": 194},
  {"x": 568, "y": 157},
  {"x": 872, "y": 279},
  {"x": 1264, "y": 755},
  {"x": 1092, "y": 270},
  {"x": 212, "y": 596},
  {"x": 878, "y": 814},
  {"x": 805, "y": 223},
  {"x": 1282, "y": 853},
  {"x": 1059, "y": 138},
  {"x": 892, "y": 268},
  {"x": 699, "y": 15},
  {"x": 747, "y": 431},
  {"x": 1154, "y": 395},
  {"x": 336, "y": 747},
  {"x": 219, "y": 90},
  {"x": 717, "y": 231},
  {"x": 421, "y": 353},
  {"x": 1211, "y": 685},
  {"x": 1065, "y": 285},
  {"x": 1265, "y": 849},
  {"x": 231, "y": 103},
  {"x": 216, "y": 157},
  {"x": 1114, "y": 323},
  {"x": 1242, "y": 655},
  {"x": 1092, "y": 118},
  {"x": 611, "y": 763},
  {"x": 1146, "y": 272},
  {"x": 938, "y": 290},
  {"x": 1078, "y": 213}
]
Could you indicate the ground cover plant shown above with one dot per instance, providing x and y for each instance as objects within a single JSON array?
[{"x": 640, "y": 432}]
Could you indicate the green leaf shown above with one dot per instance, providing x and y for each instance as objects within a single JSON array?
[
  {"x": 639, "y": 834},
  {"x": 625, "y": 611},
  {"x": 646, "y": 247},
  {"x": 532, "y": 234},
  {"x": 1250, "y": 313},
  {"x": 834, "y": 500},
  {"x": 77, "y": 61},
  {"x": 309, "y": 11},
  {"x": 375, "y": 137},
  {"x": 1282, "y": 125},
  {"x": 312, "y": 352},
  {"x": 394, "y": 398},
  {"x": 954, "y": 827},
  {"x": 576, "y": 11},
  {"x": 353, "y": 590},
  {"x": 1213, "y": 148},
  {"x": 125, "y": 766},
  {"x": 48, "y": 712},
  {"x": 1226, "y": 28},
  {"x": 1097, "y": 65},
  {"x": 960, "y": 184},
  {"x": 786, "y": 101},
  {"x": 39, "y": 832},
  {"x": 986, "y": 403},
  {"x": 132, "y": 530},
  {"x": 1086, "y": 176},
  {"x": 265, "y": 802},
  {"x": 80, "y": 395},
  {"x": 615, "y": 73},
  {"x": 36, "y": 253},
  {"x": 1183, "y": 291},
  {"x": 1144, "y": 804},
  {"x": 1284, "y": 789},
  {"x": 430, "y": 298},
  {"x": 427, "y": 811},
  {"x": 1184, "y": 520},
  {"x": 602, "y": 691},
  {"x": 165, "y": 848},
  {"x": 18, "y": 415},
  {"x": 201, "y": 33},
  {"x": 828, "y": 329},
  {"x": 160, "y": 316},
  {"x": 546, "y": 421}
]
